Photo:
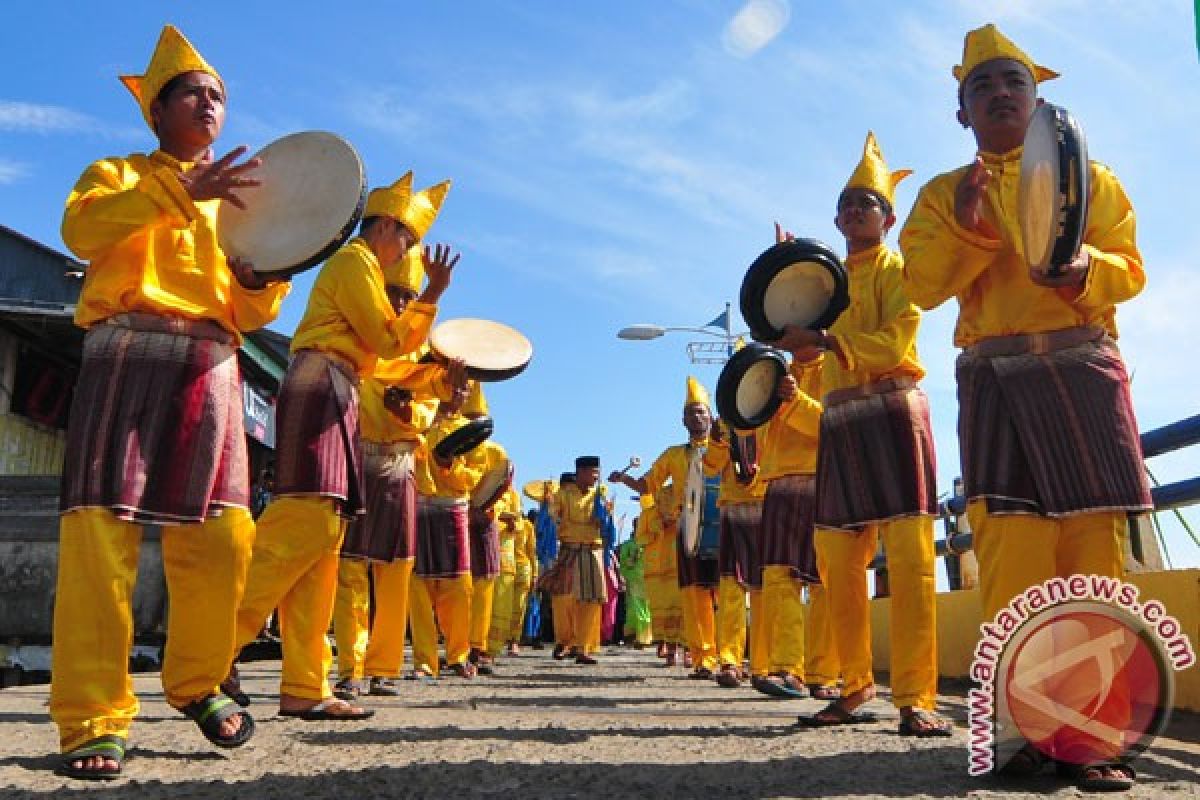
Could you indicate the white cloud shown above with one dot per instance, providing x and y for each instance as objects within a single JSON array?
[
  {"x": 755, "y": 26},
  {"x": 39, "y": 118},
  {"x": 12, "y": 171}
]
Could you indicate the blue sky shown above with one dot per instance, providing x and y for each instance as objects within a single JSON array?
[{"x": 623, "y": 162}]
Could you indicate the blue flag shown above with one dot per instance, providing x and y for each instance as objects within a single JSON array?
[{"x": 722, "y": 320}]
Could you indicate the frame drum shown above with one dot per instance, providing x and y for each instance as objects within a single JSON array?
[
  {"x": 1055, "y": 181},
  {"x": 465, "y": 439},
  {"x": 798, "y": 282},
  {"x": 535, "y": 490},
  {"x": 746, "y": 388},
  {"x": 310, "y": 201},
  {"x": 492, "y": 485},
  {"x": 492, "y": 351}
]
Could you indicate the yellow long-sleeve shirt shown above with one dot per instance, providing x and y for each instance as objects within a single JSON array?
[
  {"x": 877, "y": 333},
  {"x": 526, "y": 546},
  {"x": 788, "y": 445},
  {"x": 657, "y": 535},
  {"x": 718, "y": 461},
  {"x": 573, "y": 515},
  {"x": 514, "y": 552},
  {"x": 427, "y": 382},
  {"x": 671, "y": 467},
  {"x": 349, "y": 314},
  {"x": 490, "y": 459},
  {"x": 455, "y": 481},
  {"x": 151, "y": 248},
  {"x": 990, "y": 277}
]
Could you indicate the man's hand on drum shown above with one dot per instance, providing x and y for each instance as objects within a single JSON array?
[
  {"x": 439, "y": 264},
  {"x": 218, "y": 180},
  {"x": 456, "y": 374},
  {"x": 802, "y": 343},
  {"x": 968, "y": 201},
  {"x": 249, "y": 279},
  {"x": 786, "y": 389},
  {"x": 1071, "y": 278}
]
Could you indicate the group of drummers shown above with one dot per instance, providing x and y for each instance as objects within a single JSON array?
[{"x": 386, "y": 486}]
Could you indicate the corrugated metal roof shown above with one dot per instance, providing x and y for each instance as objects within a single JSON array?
[{"x": 35, "y": 277}]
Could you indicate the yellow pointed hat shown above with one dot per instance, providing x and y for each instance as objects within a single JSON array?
[
  {"x": 988, "y": 43},
  {"x": 696, "y": 393},
  {"x": 423, "y": 207},
  {"x": 173, "y": 55},
  {"x": 872, "y": 172},
  {"x": 475, "y": 403},
  {"x": 390, "y": 201},
  {"x": 407, "y": 271}
]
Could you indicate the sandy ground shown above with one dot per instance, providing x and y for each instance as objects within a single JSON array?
[{"x": 541, "y": 728}]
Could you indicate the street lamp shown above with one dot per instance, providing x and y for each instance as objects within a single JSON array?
[{"x": 698, "y": 352}]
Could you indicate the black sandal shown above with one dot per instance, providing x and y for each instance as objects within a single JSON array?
[
  {"x": 934, "y": 724},
  {"x": 1091, "y": 778},
  {"x": 209, "y": 713},
  {"x": 837, "y": 714},
  {"x": 109, "y": 747}
]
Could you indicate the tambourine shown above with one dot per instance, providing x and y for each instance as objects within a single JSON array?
[
  {"x": 746, "y": 396},
  {"x": 492, "y": 485},
  {"x": 1055, "y": 181},
  {"x": 465, "y": 439},
  {"x": 311, "y": 197},
  {"x": 492, "y": 351},
  {"x": 797, "y": 282}
]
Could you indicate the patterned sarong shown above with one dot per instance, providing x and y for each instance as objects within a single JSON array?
[
  {"x": 787, "y": 527},
  {"x": 485, "y": 544},
  {"x": 1050, "y": 430},
  {"x": 316, "y": 439},
  {"x": 876, "y": 459},
  {"x": 693, "y": 570},
  {"x": 578, "y": 572},
  {"x": 155, "y": 433},
  {"x": 442, "y": 549},
  {"x": 387, "y": 532},
  {"x": 741, "y": 544}
]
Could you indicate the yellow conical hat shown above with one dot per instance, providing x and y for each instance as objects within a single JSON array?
[
  {"x": 423, "y": 207},
  {"x": 696, "y": 393},
  {"x": 988, "y": 43},
  {"x": 390, "y": 201},
  {"x": 475, "y": 403},
  {"x": 173, "y": 55},
  {"x": 407, "y": 271},
  {"x": 872, "y": 172}
]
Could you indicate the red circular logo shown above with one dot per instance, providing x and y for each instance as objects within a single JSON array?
[{"x": 1084, "y": 682}]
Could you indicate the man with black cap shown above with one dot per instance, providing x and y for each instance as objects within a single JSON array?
[{"x": 582, "y": 516}]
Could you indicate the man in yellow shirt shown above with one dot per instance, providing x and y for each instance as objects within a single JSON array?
[
  {"x": 698, "y": 577},
  {"x": 348, "y": 326},
  {"x": 164, "y": 314},
  {"x": 656, "y": 532},
  {"x": 876, "y": 472},
  {"x": 441, "y": 588},
  {"x": 580, "y": 564},
  {"x": 512, "y": 583},
  {"x": 396, "y": 406},
  {"x": 1045, "y": 498}
]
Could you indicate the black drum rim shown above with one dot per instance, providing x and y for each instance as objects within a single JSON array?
[
  {"x": 770, "y": 263},
  {"x": 466, "y": 438},
  {"x": 1073, "y": 179},
  {"x": 731, "y": 375}
]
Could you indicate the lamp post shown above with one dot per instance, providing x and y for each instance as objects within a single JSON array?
[{"x": 698, "y": 352}]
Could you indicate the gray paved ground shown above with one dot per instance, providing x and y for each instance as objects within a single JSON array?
[{"x": 628, "y": 728}]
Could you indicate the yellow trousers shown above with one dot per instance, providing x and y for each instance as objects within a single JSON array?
[
  {"x": 731, "y": 622},
  {"x": 295, "y": 569},
  {"x": 760, "y": 645},
  {"x": 561, "y": 612},
  {"x": 91, "y": 692},
  {"x": 1019, "y": 550},
  {"x": 444, "y": 603},
  {"x": 701, "y": 622},
  {"x": 581, "y": 623},
  {"x": 782, "y": 622},
  {"x": 908, "y": 543},
  {"x": 508, "y": 611},
  {"x": 379, "y": 650},
  {"x": 666, "y": 607},
  {"x": 482, "y": 596},
  {"x": 821, "y": 666}
]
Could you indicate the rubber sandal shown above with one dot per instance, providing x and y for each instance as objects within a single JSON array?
[
  {"x": 232, "y": 687},
  {"x": 383, "y": 687},
  {"x": 209, "y": 713},
  {"x": 111, "y": 747},
  {"x": 321, "y": 712},
  {"x": 1079, "y": 773},
  {"x": 935, "y": 725},
  {"x": 764, "y": 684},
  {"x": 840, "y": 716}
]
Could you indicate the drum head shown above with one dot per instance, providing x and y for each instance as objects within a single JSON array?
[
  {"x": 492, "y": 485},
  {"x": 801, "y": 282},
  {"x": 1054, "y": 188},
  {"x": 311, "y": 198},
  {"x": 492, "y": 351},
  {"x": 693, "y": 508},
  {"x": 465, "y": 439},
  {"x": 746, "y": 389},
  {"x": 534, "y": 489}
]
